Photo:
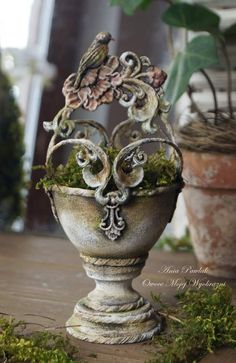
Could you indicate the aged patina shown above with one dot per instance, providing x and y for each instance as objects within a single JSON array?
[{"x": 114, "y": 229}]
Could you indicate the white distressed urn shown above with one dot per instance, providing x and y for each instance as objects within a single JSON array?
[{"x": 114, "y": 222}]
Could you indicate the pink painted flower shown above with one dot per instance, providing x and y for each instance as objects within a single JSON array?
[
  {"x": 155, "y": 77},
  {"x": 97, "y": 86},
  {"x": 101, "y": 85}
]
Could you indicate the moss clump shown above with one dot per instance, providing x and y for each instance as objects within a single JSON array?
[
  {"x": 38, "y": 347},
  {"x": 175, "y": 244},
  {"x": 11, "y": 153},
  {"x": 69, "y": 175},
  {"x": 158, "y": 171},
  {"x": 202, "y": 322}
]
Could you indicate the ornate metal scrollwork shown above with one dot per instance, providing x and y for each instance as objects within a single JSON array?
[
  {"x": 136, "y": 84},
  {"x": 130, "y": 79},
  {"x": 112, "y": 223},
  {"x": 88, "y": 154}
]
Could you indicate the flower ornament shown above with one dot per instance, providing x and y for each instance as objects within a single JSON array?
[
  {"x": 97, "y": 86},
  {"x": 154, "y": 76},
  {"x": 137, "y": 85},
  {"x": 108, "y": 81}
]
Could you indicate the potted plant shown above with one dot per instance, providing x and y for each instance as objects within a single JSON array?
[
  {"x": 207, "y": 139},
  {"x": 113, "y": 198},
  {"x": 12, "y": 181}
]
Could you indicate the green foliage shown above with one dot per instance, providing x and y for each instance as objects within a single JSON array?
[
  {"x": 176, "y": 244},
  {"x": 130, "y": 6},
  {"x": 202, "y": 322},
  {"x": 191, "y": 17},
  {"x": 199, "y": 53},
  {"x": 11, "y": 153},
  {"x": 38, "y": 347},
  {"x": 230, "y": 32},
  {"x": 69, "y": 175},
  {"x": 158, "y": 171}
]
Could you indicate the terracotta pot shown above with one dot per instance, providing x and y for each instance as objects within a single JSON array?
[
  {"x": 114, "y": 313},
  {"x": 210, "y": 198}
]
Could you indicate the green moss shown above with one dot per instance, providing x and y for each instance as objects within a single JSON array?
[
  {"x": 11, "y": 153},
  {"x": 38, "y": 347},
  {"x": 202, "y": 322},
  {"x": 158, "y": 171},
  {"x": 175, "y": 244}
]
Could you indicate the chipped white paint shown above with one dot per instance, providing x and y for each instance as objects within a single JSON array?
[
  {"x": 114, "y": 313},
  {"x": 210, "y": 173},
  {"x": 115, "y": 229}
]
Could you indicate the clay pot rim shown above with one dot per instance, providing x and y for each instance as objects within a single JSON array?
[
  {"x": 90, "y": 193},
  {"x": 210, "y": 153}
]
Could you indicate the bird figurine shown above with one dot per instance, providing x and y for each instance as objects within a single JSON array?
[{"x": 94, "y": 56}]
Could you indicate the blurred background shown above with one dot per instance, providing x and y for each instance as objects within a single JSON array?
[{"x": 41, "y": 43}]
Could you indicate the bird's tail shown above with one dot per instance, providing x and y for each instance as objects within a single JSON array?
[
  {"x": 78, "y": 80},
  {"x": 80, "y": 74}
]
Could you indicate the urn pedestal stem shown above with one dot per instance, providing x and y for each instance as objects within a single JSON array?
[{"x": 113, "y": 313}]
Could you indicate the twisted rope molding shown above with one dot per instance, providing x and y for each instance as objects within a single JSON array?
[
  {"x": 135, "y": 338},
  {"x": 114, "y": 308},
  {"x": 113, "y": 262},
  {"x": 141, "y": 314},
  {"x": 136, "y": 325}
]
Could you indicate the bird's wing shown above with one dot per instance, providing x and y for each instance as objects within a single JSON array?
[{"x": 92, "y": 58}]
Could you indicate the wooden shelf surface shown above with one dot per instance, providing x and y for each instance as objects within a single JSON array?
[{"x": 44, "y": 276}]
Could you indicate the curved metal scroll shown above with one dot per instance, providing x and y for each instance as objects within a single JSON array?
[
  {"x": 86, "y": 156},
  {"x": 64, "y": 128},
  {"x": 135, "y": 158},
  {"x": 127, "y": 172},
  {"x": 136, "y": 85},
  {"x": 130, "y": 79}
]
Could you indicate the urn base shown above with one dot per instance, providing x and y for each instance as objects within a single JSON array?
[
  {"x": 122, "y": 327},
  {"x": 113, "y": 313}
]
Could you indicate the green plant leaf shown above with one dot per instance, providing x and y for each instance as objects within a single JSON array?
[
  {"x": 145, "y": 4},
  {"x": 200, "y": 53},
  {"x": 230, "y": 32},
  {"x": 130, "y": 6},
  {"x": 192, "y": 17}
]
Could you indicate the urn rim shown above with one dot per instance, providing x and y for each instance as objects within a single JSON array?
[{"x": 89, "y": 193}]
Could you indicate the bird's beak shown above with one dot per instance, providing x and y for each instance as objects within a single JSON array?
[{"x": 113, "y": 39}]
